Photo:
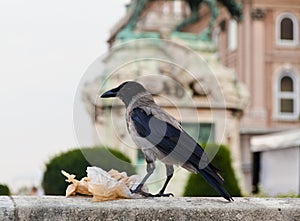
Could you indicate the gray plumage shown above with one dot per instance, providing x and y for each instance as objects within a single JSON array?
[{"x": 161, "y": 137}]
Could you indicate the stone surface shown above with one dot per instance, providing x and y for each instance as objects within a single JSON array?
[
  {"x": 181, "y": 208},
  {"x": 6, "y": 208}
]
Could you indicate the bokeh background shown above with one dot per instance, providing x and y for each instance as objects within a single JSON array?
[{"x": 45, "y": 48}]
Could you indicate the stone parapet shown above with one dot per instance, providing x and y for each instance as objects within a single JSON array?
[{"x": 178, "y": 208}]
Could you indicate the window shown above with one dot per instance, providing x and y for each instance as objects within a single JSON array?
[
  {"x": 286, "y": 29},
  {"x": 203, "y": 132},
  {"x": 287, "y": 102},
  {"x": 232, "y": 35},
  {"x": 286, "y": 92},
  {"x": 215, "y": 36},
  {"x": 177, "y": 7}
]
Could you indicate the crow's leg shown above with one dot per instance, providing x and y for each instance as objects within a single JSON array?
[
  {"x": 150, "y": 170},
  {"x": 170, "y": 171}
]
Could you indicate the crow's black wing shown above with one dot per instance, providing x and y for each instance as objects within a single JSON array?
[
  {"x": 178, "y": 147},
  {"x": 174, "y": 143}
]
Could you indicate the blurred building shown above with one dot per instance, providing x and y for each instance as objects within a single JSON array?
[
  {"x": 261, "y": 51},
  {"x": 180, "y": 68},
  {"x": 264, "y": 50}
]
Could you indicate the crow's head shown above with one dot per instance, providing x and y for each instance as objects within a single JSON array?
[{"x": 125, "y": 91}]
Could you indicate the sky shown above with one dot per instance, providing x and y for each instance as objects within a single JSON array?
[{"x": 45, "y": 48}]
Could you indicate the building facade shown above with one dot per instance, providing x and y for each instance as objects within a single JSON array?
[{"x": 264, "y": 50}]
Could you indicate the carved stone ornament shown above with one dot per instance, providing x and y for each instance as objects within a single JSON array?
[{"x": 258, "y": 13}]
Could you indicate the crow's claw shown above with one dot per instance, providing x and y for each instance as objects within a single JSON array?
[
  {"x": 145, "y": 194},
  {"x": 164, "y": 195},
  {"x": 141, "y": 192}
]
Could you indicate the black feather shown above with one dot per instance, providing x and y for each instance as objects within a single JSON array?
[{"x": 178, "y": 145}]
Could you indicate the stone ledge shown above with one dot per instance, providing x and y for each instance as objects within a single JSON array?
[
  {"x": 7, "y": 208},
  {"x": 178, "y": 208}
]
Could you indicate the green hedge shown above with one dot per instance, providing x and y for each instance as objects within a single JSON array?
[
  {"x": 4, "y": 190},
  {"x": 76, "y": 161},
  {"x": 197, "y": 186}
]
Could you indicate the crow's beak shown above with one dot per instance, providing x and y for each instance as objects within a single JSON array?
[{"x": 111, "y": 93}]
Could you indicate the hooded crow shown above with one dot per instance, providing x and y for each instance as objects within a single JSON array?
[{"x": 161, "y": 137}]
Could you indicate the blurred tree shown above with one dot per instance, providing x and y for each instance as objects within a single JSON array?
[
  {"x": 76, "y": 161},
  {"x": 197, "y": 186},
  {"x": 4, "y": 190}
]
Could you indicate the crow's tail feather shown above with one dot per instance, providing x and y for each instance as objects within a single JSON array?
[{"x": 216, "y": 181}]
